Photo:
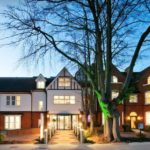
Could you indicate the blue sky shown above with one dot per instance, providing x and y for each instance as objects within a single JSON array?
[{"x": 9, "y": 56}]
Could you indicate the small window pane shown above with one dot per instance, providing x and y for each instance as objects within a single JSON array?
[
  {"x": 8, "y": 100},
  {"x": 114, "y": 79},
  {"x": 18, "y": 99},
  {"x": 133, "y": 98},
  {"x": 13, "y": 100},
  {"x": 147, "y": 97},
  {"x": 148, "y": 80},
  {"x": 147, "y": 116}
]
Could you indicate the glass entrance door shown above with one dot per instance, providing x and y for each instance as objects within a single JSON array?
[{"x": 64, "y": 122}]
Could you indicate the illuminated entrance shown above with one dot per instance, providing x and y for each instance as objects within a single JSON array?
[{"x": 64, "y": 121}]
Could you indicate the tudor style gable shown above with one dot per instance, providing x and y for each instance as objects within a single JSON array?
[{"x": 64, "y": 80}]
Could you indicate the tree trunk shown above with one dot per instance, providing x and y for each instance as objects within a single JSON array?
[
  {"x": 92, "y": 118},
  {"x": 115, "y": 129},
  {"x": 85, "y": 123}
]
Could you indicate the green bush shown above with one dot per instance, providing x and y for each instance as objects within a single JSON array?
[
  {"x": 87, "y": 133},
  {"x": 1, "y": 137}
]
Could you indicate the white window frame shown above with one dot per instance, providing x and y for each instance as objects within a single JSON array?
[
  {"x": 114, "y": 79},
  {"x": 114, "y": 92},
  {"x": 135, "y": 100},
  {"x": 64, "y": 99},
  {"x": 13, "y": 100},
  {"x": 40, "y": 105},
  {"x": 40, "y": 84},
  {"x": 147, "y": 98},
  {"x": 147, "y": 118},
  {"x": 10, "y": 122},
  {"x": 64, "y": 82}
]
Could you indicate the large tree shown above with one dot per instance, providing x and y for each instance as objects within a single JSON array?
[{"x": 93, "y": 33}]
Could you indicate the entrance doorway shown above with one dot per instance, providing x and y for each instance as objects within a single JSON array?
[
  {"x": 64, "y": 121},
  {"x": 133, "y": 119}
]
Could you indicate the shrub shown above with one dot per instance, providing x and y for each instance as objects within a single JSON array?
[
  {"x": 87, "y": 133},
  {"x": 1, "y": 137}
]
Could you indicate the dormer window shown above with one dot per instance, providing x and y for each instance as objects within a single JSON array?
[
  {"x": 148, "y": 80},
  {"x": 64, "y": 81},
  {"x": 114, "y": 79},
  {"x": 40, "y": 84}
]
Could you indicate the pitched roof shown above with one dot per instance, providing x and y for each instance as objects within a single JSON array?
[{"x": 19, "y": 84}]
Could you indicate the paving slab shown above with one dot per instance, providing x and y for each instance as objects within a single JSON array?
[{"x": 64, "y": 137}]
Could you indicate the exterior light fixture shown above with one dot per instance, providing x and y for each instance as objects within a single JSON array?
[
  {"x": 139, "y": 118},
  {"x": 128, "y": 117}
]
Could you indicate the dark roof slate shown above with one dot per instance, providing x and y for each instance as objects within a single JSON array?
[{"x": 19, "y": 84}]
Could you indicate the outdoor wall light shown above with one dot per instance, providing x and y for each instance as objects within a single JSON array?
[
  {"x": 48, "y": 115},
  {"x": 139, "y": 118},
  {"x": 128, "y": 117},
  {"x": 80, "y": 116}
]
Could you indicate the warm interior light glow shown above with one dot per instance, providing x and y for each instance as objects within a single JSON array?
[
  {"x": 128, "y": 117},
  {"x": 139, "y": 118}
]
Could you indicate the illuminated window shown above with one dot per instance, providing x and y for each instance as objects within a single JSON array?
[
  {"x": 133, "y": 98},
  {"x": 114, "y": 79},
  {"x": 147, "y": 97},
  {"x": 18, "y": 100},
  {"x": 40, "y": 84},
  {"x": 147, "y": 116},
  {"x": 148, "y": 80},
  {"x": 12, "y": 122},
  {"x": 64, "y": 99},
  {"x": 40, "y": 105},
  {"x": 114, "y": 94},
  {"x": 63, "y": 81}
]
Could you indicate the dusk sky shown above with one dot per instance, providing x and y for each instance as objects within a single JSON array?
[{"x": 9, "y": 56}]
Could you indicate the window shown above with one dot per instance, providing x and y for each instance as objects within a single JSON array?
[
  {"x": 12, "y": 122},
  {"x": 147, "y": 97},
  {"x": 8, "y": 100},
  {"x": 40, "y": 84},
  {"x": 114, "y": 79},
  {"x": 18, "y": 100},
  {"x": 40, "y": 105},
  {"x": 133, "y": 98},
  {"x": 63, "y": 81},
  {"x": 147, "y": 116},
  {"x": 148, "y": 80},
  {"x": 114, "y": 94},
  {"x": 13, "y": 100},
  {"x": 64, "y": 99}
]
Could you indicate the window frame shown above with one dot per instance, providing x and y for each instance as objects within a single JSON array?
[
  {"x": 148, "y": 80},
  {"x": 147, "y": 122},
  {"x": 136, "y": 98},
  {"x": 12, "y": 124},
  {"x": 147, "y": 103},
  {"x": 64, "y": 83},
  {"x": 64, "y": 99},
  {"x": 114, "y": 79},
  {"x": 40, "y": 84}
]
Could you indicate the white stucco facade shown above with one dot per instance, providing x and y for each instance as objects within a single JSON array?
[
  {"x": 64, "y": 108},
  {"x": 25, "y": 102}
]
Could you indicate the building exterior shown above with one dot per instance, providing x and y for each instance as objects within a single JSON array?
[
  {"x": 135, "y": 110},
  {"x": 22, "y": 100},
  {"x": 60, "y": 98}
]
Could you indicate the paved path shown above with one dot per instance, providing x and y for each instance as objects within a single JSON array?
[
  {"x": 64, "y": 137},
  {"x": 121, "y": 146}
]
